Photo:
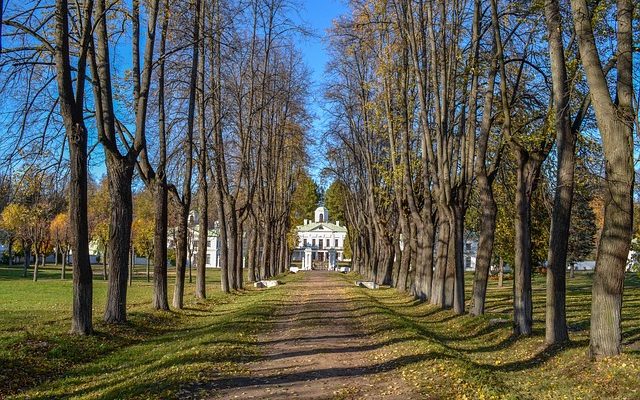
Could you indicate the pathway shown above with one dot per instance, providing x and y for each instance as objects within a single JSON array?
[{"x": 316, "y": 350}]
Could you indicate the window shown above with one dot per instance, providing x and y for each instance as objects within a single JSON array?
[
  {"x": 305, "y": 243},
  {"x": 208, "y": 243},
  {"x": 313, "y": 242},
  {"x": 320, "y": 243},
  {"x": 328, "y": 243},
  {"x": 337, "y": 243}
]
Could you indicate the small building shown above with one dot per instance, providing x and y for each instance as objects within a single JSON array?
[
  {"x": 320, "y": 243},
  {"x": 193, "y": 235}
]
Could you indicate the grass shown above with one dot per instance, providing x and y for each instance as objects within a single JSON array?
[
  {"x": 160, "y": 354},
  {"x": 152, "y": 356},
  {"x": 449, "y": 356}
]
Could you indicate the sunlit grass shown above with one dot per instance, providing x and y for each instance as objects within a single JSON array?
[
  {"x": 476, "y": 357},
  {"x": 153, "y": 355}
]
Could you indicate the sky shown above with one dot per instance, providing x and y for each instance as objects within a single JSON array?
[{"x": 317, "y": 15}]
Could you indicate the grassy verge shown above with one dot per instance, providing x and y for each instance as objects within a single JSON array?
[
  {"x": 449, "y": 356},
  {"x": 152, "y": 356}
]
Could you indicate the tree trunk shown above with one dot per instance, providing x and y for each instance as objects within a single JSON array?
[
  {"x": 148, "y": 268},
  {"x": 404, "y": 256},
  {"x": 27, "y": 259},
  {"x": 161, "y": 203},
  {"x": 239, "y": 258},
  {"x": 458, "y": 292},
  {"x": 501, "y": 273},
  {"x": 10, "y": 253},
  {"x": 104, "y": 264},
  {"x": 437, "y": 287},
  {"x": 119, "y": 174},
  {"x": 35, "y": 269},
  {"x": 132, "y": 262},
  {"x": 232, "y": 239},
  {"x": 181, "y": 258},
  {"x": 615, "y": 123},
  {"x": 555, "y": 320},
  {"x": 71, "y": 108},
  {"x": 160, "y": 292},
  {"x": 203, "y": 233},
  {"x": 64, "y": 266},
  {"x": 572, "y": 273},
  {"x": 251, "y": 253},
  {"x": 522, "y": 300},
  {"x": 450, "y": 267},
  {"x": 489, "y": 212}
]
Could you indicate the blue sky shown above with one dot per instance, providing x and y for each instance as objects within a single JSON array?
[{"x": 317, "y": 15}]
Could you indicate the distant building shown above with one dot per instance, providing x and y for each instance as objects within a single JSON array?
[
  {"x": 470, "y": 252},
  {"x": 320, "y": 243},
  {"x": 193, "y": 234}
]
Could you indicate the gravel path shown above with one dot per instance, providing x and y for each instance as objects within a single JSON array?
[{"x": 316, "y": 349}]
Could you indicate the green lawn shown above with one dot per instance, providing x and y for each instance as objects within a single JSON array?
[
  {"x": 448, "y": 356},
  {"x": 157, "y": 353},
  {"x": 149, "y": 357}
]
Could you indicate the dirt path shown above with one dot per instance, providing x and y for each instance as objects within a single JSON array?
[{"x": 316, "y": 350}]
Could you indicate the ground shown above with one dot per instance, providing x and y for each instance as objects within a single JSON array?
[
  {"x": 315, "y": 336},
  {"x": 316, "y": 348}
]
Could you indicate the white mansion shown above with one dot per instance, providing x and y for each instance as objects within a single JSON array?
[
  {"x": 320, "y": 243},
  {"x": 193, "y": 234}
]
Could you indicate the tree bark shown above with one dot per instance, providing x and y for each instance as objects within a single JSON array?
[
  {"x": 527, "y": 175},
  {"x": 161, "y": 201},
  {"x": 615, "y": 123},
  {"x": 500, "y": 272},
  {"x": 160, "y": 292},
  {"x": 251, "y": 253},
  {"x": 63, "y": 274},
  {"x": 119, "y": 175},
  {"x": 555, "y": 320},
  {"x": 27, "y": 259},
  {"x": 35, "y": 269},
  {"x": 488, "y": 206},
  {"x": 181, "y": 257}
]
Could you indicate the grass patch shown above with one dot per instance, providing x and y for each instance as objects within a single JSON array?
[
  {"x": 447, "y": 356},
  {"x": 152, "y": 356}
]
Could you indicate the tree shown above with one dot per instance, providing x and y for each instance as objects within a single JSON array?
[
  {"x": 143, "y": 227},
  {"x": 335, "y": 200},
  {"x": 615, "y": 120},
  {"x": 99, "y": 211},
  {"x": 61, "y": 234},
  {"x": 111, "y": 134},
  {"x": 15, "y": 220}
]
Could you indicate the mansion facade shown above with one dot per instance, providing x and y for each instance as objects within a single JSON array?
[
  {"x": 320, "y": 243},
  {"x": 193, "y": 235}
]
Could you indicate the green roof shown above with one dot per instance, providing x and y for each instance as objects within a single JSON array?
[{"x": 325, "y": 226}]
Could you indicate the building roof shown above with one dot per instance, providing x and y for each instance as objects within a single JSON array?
[{"x": 312, "y": 226}]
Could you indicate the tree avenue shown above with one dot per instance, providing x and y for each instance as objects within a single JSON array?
[
  {"x": 462, "y": 120},
  {"x": 506, "y": 125},
  {"x": 239, "y": 115}
]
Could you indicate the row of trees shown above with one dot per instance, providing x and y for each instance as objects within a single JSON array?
[
  {"x": 208, "y": 112},
  {"x": 442, "y": 108},
  {"x": 34, "y": 222}
]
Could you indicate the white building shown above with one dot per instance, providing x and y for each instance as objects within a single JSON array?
[
  {"x": 213, "y": 241},
  {"x": 320, "y": 243}
]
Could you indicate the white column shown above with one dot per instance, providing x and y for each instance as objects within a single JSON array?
[{"x": 307, "y": 259}]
